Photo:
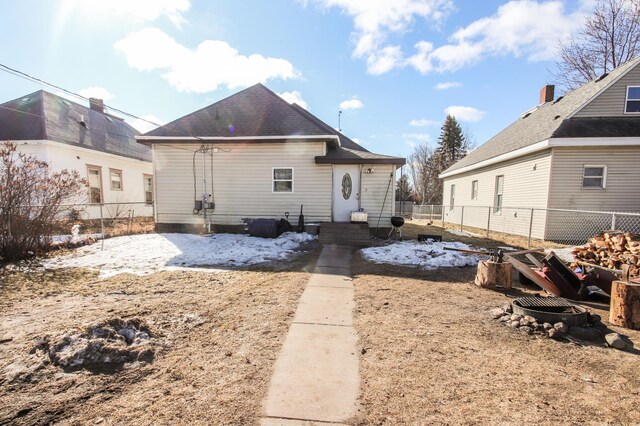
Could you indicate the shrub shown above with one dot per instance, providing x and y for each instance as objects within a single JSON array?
[{"x": 30, "y": 202}]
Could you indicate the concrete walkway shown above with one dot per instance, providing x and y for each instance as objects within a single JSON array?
[{"x": 315, "y": 379}]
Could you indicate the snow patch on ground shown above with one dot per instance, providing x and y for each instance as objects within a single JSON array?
[
  {"x": 148, "y": 253},
  {"x": 425, "y": 255}
]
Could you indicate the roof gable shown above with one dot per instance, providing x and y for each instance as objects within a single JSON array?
[
  {"x": 549, "y": 120},
  {"x": 255, "y": 111}
]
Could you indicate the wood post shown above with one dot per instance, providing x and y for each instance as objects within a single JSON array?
[
  {"x": 625, "y": 305},
  {"x": 494, "y": 275}
]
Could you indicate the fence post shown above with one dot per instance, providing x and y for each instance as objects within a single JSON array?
[
  {"x": 461, "y": 218},
  {"x": 488, "y": 221},
  {"x": 613, "y": 221},
  {"x": 530, "y": 228},
  {"x": 442, "y": 211},
  {"x": 431, "y": 214},
  {"x": 102, "y": 226}
]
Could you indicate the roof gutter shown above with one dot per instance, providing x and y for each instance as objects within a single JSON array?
[{"x": 147, "y": 140}]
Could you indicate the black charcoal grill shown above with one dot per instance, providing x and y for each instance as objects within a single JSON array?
[{"x": 396, "y": 222}]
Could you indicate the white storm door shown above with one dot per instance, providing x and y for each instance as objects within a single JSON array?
[{"x": 346, "y": 191}]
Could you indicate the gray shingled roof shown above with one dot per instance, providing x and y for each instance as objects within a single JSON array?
[
  {"x": 257, "y": 111},
  {"x": 44, "y": 116},
  {"x": 549, "y": 120}
]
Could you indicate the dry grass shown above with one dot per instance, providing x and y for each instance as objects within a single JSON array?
[{"x": 211, "y": 373}]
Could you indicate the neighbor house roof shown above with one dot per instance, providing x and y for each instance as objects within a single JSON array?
[
  {"x": 555, "y": 120},
  {"x": 44, "y": 116},
  {"x": 258, "y": 114}
]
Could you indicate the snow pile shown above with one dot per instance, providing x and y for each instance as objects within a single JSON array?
[
  {"x": 431, "y": 255},
  {"x": 464, "y": 233},
  {"x": 148, "y": 253}
]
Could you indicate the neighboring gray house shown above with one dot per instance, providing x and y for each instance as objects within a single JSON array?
[
  {"x": 254, "y": 155},
  {"x": 578, "y": 151}
]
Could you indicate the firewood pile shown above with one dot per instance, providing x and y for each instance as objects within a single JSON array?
[{"x": 611, "y": 249}]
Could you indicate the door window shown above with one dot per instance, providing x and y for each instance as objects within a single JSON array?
[{"x": 347, "y": 186}]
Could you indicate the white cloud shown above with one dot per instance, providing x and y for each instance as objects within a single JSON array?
[
  {"x": 294, "y": 97},
  {"x": 144, "y": 126},
  {"x": 375, "y": 21},
  {"x": 423, "y": 122},
  {"x": 96, "y": 92},
  {"x": 213, "y": 63},
  {"x": 518, "y": 28},
  {"x": 143, "y": 10},
  {"x": 447, "y": 85},
  {"x": 465, "y": 113},
  {"x": 351, "y": 104},
  {"x": 422, "y": 137}
]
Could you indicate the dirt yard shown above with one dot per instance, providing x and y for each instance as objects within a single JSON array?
[
  {"x": 215, "y": 338},
  {"x": 432, "y": 354}
]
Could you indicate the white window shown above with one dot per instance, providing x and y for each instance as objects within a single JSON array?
[
  {"x": 632, "y": 104},
  {"x": 452, "y": 197},
  {"x": 95, "y": 184},
  {"x": 115, "y": 177},
  {"x": 148, "y": 188},
  {"x": 594, "y": 177},
  {"x": 474, "y": 190},
  {"x": 497, "y": 202},
  {"x": 282, "y": 179}
]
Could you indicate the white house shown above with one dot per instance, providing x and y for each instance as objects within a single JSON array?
[
  {"x": 100, "y": 146},
  {"x": 578, "y": 151},
  {"x": 253, "y": 155}
]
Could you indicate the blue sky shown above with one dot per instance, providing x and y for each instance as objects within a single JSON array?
[{"x": 394, "y": 67}]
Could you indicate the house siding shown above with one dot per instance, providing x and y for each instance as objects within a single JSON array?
[
  {"x": 375, "y": 187},
  {"x": 62, "y": 156},
  {"x": 526, "y": 183},
  {"x": 611, "y": 102},
  {"x": 242, "y": 183}
]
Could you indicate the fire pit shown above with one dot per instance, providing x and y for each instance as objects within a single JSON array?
[{"x": 551, "y": 310}]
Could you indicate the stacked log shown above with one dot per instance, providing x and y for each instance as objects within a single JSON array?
[{"x": 612, "y": 249}]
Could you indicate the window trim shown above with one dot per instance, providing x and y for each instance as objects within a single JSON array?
[
  {"x": 452, "y": 196},
  {"x": 497, "y": 207},
  {"x": 474, "y": 189},
  {"x": 274, "y": 180},
  {"x": 99, "y": 169},
  {"x": 144, "y": 189},
  {"x": 604, "y": 177},
  {"x": 626, "y": 100},
  {"x": 119, "y": 172}
]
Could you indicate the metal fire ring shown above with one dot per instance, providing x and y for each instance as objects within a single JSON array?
[{"x": 551, "y": 310}]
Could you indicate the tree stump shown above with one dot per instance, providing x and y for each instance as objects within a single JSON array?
[
  {"x": 625, "y": 305},
  {"x": 494, "y": 275}
]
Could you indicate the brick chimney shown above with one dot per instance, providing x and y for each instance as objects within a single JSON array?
[
  {"x": 98, "y": 104},
  {"x": 547, "y": 93}
]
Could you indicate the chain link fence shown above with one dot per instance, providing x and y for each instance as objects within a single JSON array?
[
  {"x": 571, "y": 227},
  {"x": 94, "y": 220}
]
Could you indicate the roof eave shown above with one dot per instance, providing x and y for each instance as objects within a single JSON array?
[
  {"x": 150, "y": 140},
  {"x": 328, "y": 160}
]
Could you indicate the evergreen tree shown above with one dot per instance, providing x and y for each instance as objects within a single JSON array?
[
  {"x": 404, "y": 191},
  {"x": 452, "y": 143}
]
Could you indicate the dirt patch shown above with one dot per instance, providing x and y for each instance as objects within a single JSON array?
[
  {"x": 431, "y": 353},
  {"x": 214, "y": 338}
]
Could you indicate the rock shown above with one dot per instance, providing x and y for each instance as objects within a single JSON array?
[
  {"x": 516, "y": 317},
  {"x": 554, "y": 334},
  {"x": 524, "y": 322},
  {"x": 594, "y": 319},
  {"x": 508, "y": 309},
  {"x": 497, "y": 313},
  {"x": 526, "y": 329},
  {"x": 561, "y": 327},
  {"x": 514, "y": 324},
  {"x": 505, "y": 318},
  {"x": 547, "y": 326},
  {"x": 615, "y": 341},
  {"x": 529, "y": 319}
]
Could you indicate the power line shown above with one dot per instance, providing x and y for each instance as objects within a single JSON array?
[{"x": 33, "y": 79}]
